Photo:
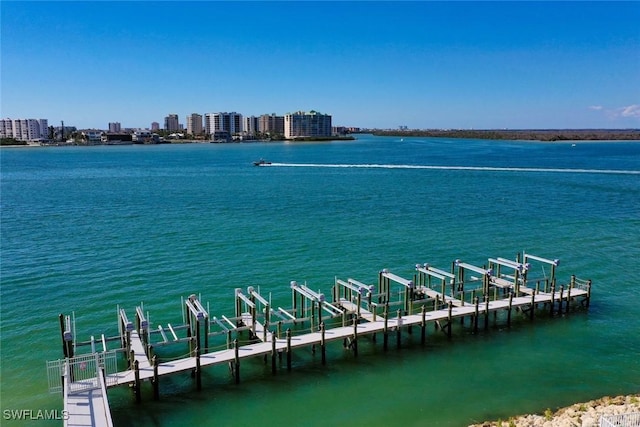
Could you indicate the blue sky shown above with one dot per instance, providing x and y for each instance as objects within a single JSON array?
[{"x": 368, "y": 64}]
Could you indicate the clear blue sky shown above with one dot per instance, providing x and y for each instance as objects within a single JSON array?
[{"x": 369, "y": 64}]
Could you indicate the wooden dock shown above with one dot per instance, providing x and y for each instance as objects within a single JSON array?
[{"x": 433, "y": 296}]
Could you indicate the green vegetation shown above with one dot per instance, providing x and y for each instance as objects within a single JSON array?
[
  {"x": 11, "y": 141},
  {"x": 548, "y": 414},
  {"x": 532, "y": 135}
]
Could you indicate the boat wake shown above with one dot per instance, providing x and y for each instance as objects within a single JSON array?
[{"x": 462, "y": 168}]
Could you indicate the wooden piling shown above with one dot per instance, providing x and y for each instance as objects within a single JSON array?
[
  {"x": 588, "y": 292},
  {"x": 477, "y": 314},
  {"x": 156, "y": 378},
  {"x": 486, "y": 311},
  {"x": 449, "y": 319},
  {"x": 560, "y": 300},
  {"x": 273, "y": 353},
  {"x": 64, "y": 343},
  {"x": 398, "y": 329},
  {"x": 533, "y": 305},
  {"x": 509, "y": 310},
  {"x": 198, "y": 370},
  {"x": 354, "y": 340},
  {"x": 288, "y": 349},
  {"x": 136, "y": 385},
  {"x": 571, "y": 285},
  {"x": 236, "y": 369},
  {"x": 322, "y": 344},
  {"x": 423, "y": 325},
  {"x": 385, "y": 332},
  {"x": 553, "y": 297}
]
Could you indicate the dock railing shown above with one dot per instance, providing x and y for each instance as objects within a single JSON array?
[
  {"x": 620, "y": 420},
  {"x": 82, "y": 372}
]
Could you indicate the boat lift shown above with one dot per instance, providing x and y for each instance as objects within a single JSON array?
[
  {"x": 551, "y": 279},
  {"x": 504, "y": 281},
  {"x": 194, "y": 316},
  {"x": 316, "y": 299},
  {"x": 385, "y": 278},
  {"x": 352, "y": 286},
  {"x": 484, "y": 272},
  {"x": 424, "y": 279}
]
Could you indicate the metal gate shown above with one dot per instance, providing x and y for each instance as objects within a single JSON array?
[{"x": 80, "y": 373}]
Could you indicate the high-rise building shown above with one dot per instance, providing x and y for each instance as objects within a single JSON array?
[
  {"x": 194, "y": 124},
  {"x": 171, "y": 123},
  {"x": 271, "y": 124},
  {"x": 114, "y": 127},
  {"x": 228, "y": 122},
  {"x": 24, "y": 129},
  {"x": 155, "y": 126},
  {"x": 311, "y": 124},
  {"x": 250, "y": 125},
  {"x": 6, "y": 128}
]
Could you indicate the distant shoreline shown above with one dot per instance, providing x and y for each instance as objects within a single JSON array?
[{"x": 522, "y": 134}]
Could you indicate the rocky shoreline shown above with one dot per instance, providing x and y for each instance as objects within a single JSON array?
[{"x": 577, "y": 415}]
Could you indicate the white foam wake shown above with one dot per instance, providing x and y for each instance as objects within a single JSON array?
[{"x": 464, "y": 168}]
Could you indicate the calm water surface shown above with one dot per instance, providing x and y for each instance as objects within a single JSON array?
[{"x": 87, "y": 228}]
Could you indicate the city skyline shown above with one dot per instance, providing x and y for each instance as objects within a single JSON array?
[{"x": 369, "y": 64}]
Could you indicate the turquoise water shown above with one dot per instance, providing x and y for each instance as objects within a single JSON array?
[{"x": 87, "y": 228}]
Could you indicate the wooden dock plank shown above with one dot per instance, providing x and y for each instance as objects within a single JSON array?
[
  {"x": 138, "y": 350},
  {"x": 433, "y": 294},
  {"x": 87, "y": 409}
]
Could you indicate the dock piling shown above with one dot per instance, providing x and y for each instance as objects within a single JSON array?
[
  {"x": 136, "y": 385},
  {"x": 423, "y": 325},
  {"x": 288, "y": 349},
  {"x": 273, "y": 353},
  {"x": 156, "y": 379},
  {"x": 322, "y": 344},
  {"x": 236, "y": 366}
]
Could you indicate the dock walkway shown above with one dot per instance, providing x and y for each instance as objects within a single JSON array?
[{"x": 89, "y": 406}]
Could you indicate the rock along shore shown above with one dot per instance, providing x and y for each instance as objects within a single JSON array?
[{"x": 577, "y": 415}]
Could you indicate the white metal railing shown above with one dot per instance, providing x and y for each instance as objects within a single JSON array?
[
  {"x": 81, "y": 372},
  {"x": 620, "y": 420}
]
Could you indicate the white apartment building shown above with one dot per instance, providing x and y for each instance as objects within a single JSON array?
[
  {"x": 251, "y": 125},
  {"x": 228, "y": 122},
  {"x": 24, "y": 129},
  {"x": 302, "y": 124},
  {"x": 194, "y": 124}
]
